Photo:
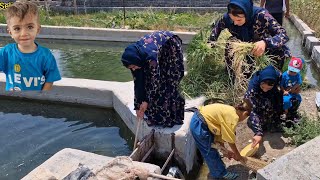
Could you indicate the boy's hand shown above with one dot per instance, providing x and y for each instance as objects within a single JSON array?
[
  {"x": 237, "y": 157},
  {"x": 259, "y": 48},
  {"x": 285, "y": 93},
  {"x": 228, "y": 154},
  {"x": 295, "y": 89},
  {"x": 256, "y": 140}
]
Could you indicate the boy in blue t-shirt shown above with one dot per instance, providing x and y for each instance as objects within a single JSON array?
[
  {"x": 290, "y": 85},
  {"x": 27, "y": 65}
]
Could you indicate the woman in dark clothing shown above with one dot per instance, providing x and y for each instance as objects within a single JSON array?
[
  {"x": 156, "y": 63},
  {"x": 249, "y": 23},
  {"x": 262, "y": 95}
]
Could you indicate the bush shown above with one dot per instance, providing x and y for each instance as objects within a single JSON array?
[
  {"x": 306, "y": 130},
  {"x": 308, "y": 11}
]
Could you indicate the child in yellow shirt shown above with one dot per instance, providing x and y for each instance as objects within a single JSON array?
[{"x": 216, "y": 123}]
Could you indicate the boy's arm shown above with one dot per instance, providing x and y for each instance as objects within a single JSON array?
[
  {"x": 295, "y": 89},
  {"x": 47, "y": 86},
  {"x": 51, "y": 72},
  {"x": 234, "y": 149},
  {"x": 262, "y": 3}
]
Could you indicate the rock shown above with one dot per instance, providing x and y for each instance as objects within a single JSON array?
[
  {"x": 265, "y": 158},
  {"x": 81, "y": 173}
]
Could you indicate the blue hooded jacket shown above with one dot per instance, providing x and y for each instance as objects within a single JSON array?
[{"x": 244, "y": 32}]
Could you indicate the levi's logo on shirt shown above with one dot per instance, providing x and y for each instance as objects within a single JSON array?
[{"x": 27, "y": 81}]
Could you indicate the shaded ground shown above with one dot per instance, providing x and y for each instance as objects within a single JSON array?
[{"x": 274, "y": 145}]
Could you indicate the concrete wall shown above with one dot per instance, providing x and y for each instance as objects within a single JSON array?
[
  {"x": 67, "y": 160},
  {"x": 300, "y": 164},
  {"x": 310, "y": 42},
  {"x": 95, "y": 34},
  {"x": 147, "y": 3}
]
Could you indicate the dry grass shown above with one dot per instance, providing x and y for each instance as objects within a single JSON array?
[{"x": 206, "y": 67}]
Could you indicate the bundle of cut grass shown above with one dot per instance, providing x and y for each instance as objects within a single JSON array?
[
  {"x": 240, "y": 64},
  {"x": 206, "y": 67}
]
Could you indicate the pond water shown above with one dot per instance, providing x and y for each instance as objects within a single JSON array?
[
  {"x": 87, "y": 59},
  {"x": 33, "y": 131}
]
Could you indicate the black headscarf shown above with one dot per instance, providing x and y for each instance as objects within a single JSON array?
[
  {"x": 133, "y": 55},
  {"x": 268, "y": 73},
  {"x": 244, "y": 32}
]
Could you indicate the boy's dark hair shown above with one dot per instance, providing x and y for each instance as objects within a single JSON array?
[
  {"x": 235, "y": 10},
  {"x": 243, "y": 106},
  {"x": 21, "y": 9}
]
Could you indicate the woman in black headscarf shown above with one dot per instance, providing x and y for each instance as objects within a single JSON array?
[
  {"x": 250, "y": 23},
  {"x": 262, "y": 95},
  {"x": 156, "y": 63}
]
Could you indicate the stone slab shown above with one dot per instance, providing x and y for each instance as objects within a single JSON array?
[
  {"x": 67, "y": 160},
  {"x": 316, "y": 55},
  {"x": 301, "y": 163},
  {"x": 311, "y": 41}
]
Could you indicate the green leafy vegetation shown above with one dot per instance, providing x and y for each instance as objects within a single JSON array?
[
  {"x": 306, "y": 130},
  {"x": 308, "y": 11},
  {"x": 148, "y": 19}
]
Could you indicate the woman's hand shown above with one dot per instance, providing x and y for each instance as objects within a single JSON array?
[
  {"x": 259, "y": 48},
  {"x": 143, "y": 108},
  {"x": 256, "y": 140}
]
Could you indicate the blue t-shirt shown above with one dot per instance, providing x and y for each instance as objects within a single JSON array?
[
  {"x": 28, "y": 71},
  {"x": 288, "y": 81}
]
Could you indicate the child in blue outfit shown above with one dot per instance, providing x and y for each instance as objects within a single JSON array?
[
  {"x": 290, "y": 85},
  {"x": 27, "y": 65}
]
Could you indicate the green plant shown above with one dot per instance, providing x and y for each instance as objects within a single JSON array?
[
  {"x": 308, "y": 11},
  {"x": 306, "y": 130},
  {"x": 148, "y": 19}
]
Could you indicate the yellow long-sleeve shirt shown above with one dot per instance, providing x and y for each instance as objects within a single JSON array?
[{"x": 222, "y": 121}]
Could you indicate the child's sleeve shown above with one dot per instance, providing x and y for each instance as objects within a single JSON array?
[
  {"x": 216, "y": 29},
  {"x": 2, "y": 59},
  {"x": 283, "y": 81},
  {"x": 278, "y": 34},
  {"x": 254, "y": 118},
  {"x": 51, "y": 71},
  {"x": 299, "y": 79}
]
